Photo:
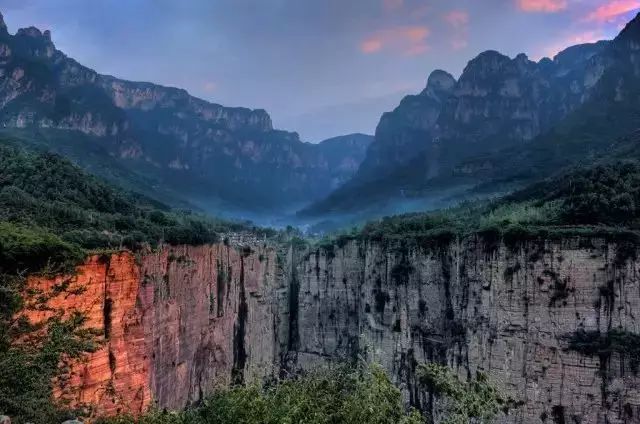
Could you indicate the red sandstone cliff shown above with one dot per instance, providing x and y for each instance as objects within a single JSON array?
[{"x": 174, "y": 323}]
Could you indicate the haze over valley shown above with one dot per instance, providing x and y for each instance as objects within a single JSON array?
[{"x": 452, "y": 236}]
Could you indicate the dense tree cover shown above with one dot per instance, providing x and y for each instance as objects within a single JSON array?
[
  {"x": 605, "y": 194},
  {"x": 342, "y": 395},
  {"x": 604, "y": 199},
  {"x": 51, "y": 214},
  {"x": 47, "y": 191}
]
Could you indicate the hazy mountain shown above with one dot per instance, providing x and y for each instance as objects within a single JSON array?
[
  {"x": 456, "y": 134},
  {"x": 189, "y": 150}
]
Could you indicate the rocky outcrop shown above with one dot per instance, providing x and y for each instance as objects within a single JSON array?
[
  {"x": 552, "y": 322},
  {"x": 497, "y": 101},
  {"x": 163, "y": 134},
  {"x": 401, "y": 134}
]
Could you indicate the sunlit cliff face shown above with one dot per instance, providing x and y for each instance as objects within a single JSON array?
[
  {"x": 172, "y": 325},
  {"x": 182, "y": 321}
]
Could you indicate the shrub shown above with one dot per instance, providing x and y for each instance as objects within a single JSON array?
[
  {"x": 341, "y": 395},
  {"x": 476, "y": 400}
]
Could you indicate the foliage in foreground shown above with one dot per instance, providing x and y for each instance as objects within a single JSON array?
[
  {"x": 476, "y": 400},
  {"x": 30, "y": 355},
  {"x": 27, "y": 368},
  {"x": 337, "y": 396}
]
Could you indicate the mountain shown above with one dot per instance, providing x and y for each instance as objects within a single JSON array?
[
  {"x": 456, "y": 134},
  {"x": 188, "y": 150}
]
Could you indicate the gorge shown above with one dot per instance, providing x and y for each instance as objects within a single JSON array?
[
  {"x": 133, "y": 283},
  {"x": 181, "y": 320}
]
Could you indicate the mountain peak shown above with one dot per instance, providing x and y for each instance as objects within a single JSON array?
[
  {"x": 30, "y": 32},
  {"x": 34, "y": 32},
  {"x": 487, "y": 62},
  {"x": 3, "y": 26},
  {"x": 439, "y": 82},
  {"x": 631, "y": 31}
]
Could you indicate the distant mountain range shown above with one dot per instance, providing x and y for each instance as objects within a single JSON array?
[
  {"x": 161, "y": 140},
  {"x": 503, "y": 123}
]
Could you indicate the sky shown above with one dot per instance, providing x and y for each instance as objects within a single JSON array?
[{"x": 321, "y": 68}]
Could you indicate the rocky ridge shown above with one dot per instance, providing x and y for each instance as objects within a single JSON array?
[
  {"x": 498, "y": 109},
  {"x": 180, "y": 142}
]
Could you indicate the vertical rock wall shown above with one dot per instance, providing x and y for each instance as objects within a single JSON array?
[
  {"x": 506, "y": 311},
  {"x": 174, "y": 324},
  {"x": 181, "y": 321}
]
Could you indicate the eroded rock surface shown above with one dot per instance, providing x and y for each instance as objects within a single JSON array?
[
  {"x": 175, "y": 324},
  {"x": 509, "y": 312},
  {"x": 180, "y": 321}
]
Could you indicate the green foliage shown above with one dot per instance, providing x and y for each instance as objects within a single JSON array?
[
  {"x": 47, "y": 191},
  {"x": 337, "y": 396},
  {"x": 602, "y": 201},
  {"x": 28, "y": 250},
  {"x": 476, "y": 400},
  {"x": 592, "y": 343},
  {"x": 604, "y": 194},
  {"x": 30, "y": 355},
  {"x": 410, "y": 225},
  {"x": 28, "y": 367},
  {"x": 524, "y": 213}
]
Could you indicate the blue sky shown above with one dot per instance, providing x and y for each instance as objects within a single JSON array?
[{"x": 319, "y": 67}]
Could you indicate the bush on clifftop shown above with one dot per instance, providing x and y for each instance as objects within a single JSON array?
[{"x": 339, "y": 396}]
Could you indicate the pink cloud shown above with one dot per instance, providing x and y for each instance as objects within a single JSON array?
[
  {"x": 544, "y": 6},
  {"x": 459, "y": 21},
  {"x": 457, "y": 18},
  {"x": 611, "y": 10},
  {"x": 415, "y": 34},
  {"x": 371, "y": 45},
  {"x": 411, "y": 40},
  {"x": 209, "y": 86}
]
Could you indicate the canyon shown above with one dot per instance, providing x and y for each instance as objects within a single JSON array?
[
  {"x": 178, "y": 322},
  {"x": 160, "y": 140}
]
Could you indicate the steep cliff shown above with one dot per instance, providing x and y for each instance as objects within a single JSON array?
[
  {"x": 162, "y": 134},
  {"x": 504, "y": 119},
  {"x": 537, "y": 317},
  {"x": 174, "y": 324},
  {"x": 552, "y": 322}
]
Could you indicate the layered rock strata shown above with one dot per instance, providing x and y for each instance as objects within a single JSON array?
[{"x": 179, "y": 322}]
